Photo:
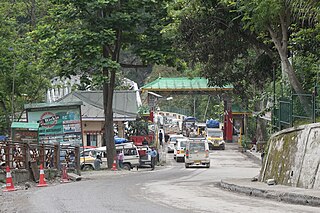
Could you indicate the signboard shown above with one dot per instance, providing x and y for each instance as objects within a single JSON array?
[
  {"x": 25, "y": 136},
  {"x": 58, "y": 124}
]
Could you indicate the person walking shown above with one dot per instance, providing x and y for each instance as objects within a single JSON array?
[
  {"x": 166, "y": 138},
  {"x": 120, "y": 159},
  {"x": 153, "y": 155},
  {"x": 160, "y": 137}
]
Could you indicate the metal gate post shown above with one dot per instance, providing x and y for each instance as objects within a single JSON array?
[
  {"x": 291, "y": 112},
  {"x": 313, "y": 107}
]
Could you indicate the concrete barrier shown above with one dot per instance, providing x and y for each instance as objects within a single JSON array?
[{"x": 293, "y": 157}]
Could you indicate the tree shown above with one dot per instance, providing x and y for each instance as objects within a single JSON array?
[
  {"x": 277, "y": 18},
  {"x": 211, "y": 35},
  {"x": 18, "y": 61},
  {"x": 87, "y": 37}
]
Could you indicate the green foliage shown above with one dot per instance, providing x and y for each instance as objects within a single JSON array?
[
  {"x": 22, "y": 79},
  {"x": 215, "y": 41}
]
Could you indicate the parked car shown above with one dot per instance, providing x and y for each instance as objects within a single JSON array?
[
  {"x": 172, "y": 142},
  {"x": 88, "y": 156},
  {"x": 130, "y": 160},
  {"x": 179, "y": 149},
  {"x": 197, "y": 153}
]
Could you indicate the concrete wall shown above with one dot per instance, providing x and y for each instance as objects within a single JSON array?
[
  {"x": 23, "y": 175},
  {"x": 293, "y": 157}
]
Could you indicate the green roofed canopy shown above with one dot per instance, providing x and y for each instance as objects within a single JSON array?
[{"x": 183, "y": 85}]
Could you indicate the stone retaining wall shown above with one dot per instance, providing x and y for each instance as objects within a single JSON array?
[{"x": 293, "y": 157}]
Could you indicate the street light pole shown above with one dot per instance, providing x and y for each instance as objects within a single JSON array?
[{"x": 13, "y": 86}]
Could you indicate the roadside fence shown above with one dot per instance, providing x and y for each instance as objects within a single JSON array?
[{"x": 19, "y": 155}]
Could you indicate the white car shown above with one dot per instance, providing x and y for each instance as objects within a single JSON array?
[
  {"x": 197, "y": 153},
  {"x": 179, "y": 149},
  {"x": 172, "y": 142}
]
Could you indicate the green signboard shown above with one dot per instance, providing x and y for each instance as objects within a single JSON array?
[{"x": 58, "y": 124}]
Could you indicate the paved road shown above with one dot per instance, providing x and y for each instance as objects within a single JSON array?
[{"x": 170, "y": 188}]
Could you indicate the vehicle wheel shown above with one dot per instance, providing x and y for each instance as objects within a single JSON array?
[
  {"x": 126, "y": 167},
  {"x": 186, "y": 165},
  {"x": 210, "y": 146},
  {"x": 87, "y": 168},
  {"x": 223, "y": 147},
  {"x": 208, "y": 165}
]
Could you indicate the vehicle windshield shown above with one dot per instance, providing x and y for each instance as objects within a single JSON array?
[
  {"x": 174, "y": 139},
  {"x": 215, "y": 133},
  {"x": 197, "y": 147},
  {"x": 183, "y": 144}
]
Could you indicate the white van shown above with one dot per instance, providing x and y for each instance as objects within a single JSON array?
[
  {"x": 197, "y": 153},
  {"x": 179, "y": 149},
  {"x": 130, "y": 159}
]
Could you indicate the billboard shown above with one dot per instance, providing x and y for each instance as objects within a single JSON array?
[{"x": 58, "y": 124}]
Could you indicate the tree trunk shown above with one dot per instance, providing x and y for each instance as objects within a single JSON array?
[
  {"x": 281, "y": 44},
  {"x": 108, "y": 88}
]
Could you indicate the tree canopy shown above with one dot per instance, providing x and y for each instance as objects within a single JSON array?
[{"x": 88, "y": 37}]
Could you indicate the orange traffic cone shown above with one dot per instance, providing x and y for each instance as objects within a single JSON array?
[
  {"x": 65, "y": 177},
  {"x": 9, "y": 185},
  {"x": 42, "y": 181},
  {"x": 114, "y": 165}
]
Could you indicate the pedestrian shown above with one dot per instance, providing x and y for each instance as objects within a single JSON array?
[
  {"x": 120, "y": 159},
  {"x": 262, "y": 156},
  {"x": 253, "y": 145},
  {"x": 145, "y": 141},
  {"x": 97, "y": 162},
  {"x": 153, "y": 155},
  {"x": 166, "y": 138},
  {"x": 160, "y": 137}
]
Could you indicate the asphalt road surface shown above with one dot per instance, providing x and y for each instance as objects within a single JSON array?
[{"x": 169, "y": 188}]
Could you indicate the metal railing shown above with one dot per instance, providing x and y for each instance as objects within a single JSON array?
[
  {"x": 19, "y": 155},
  {"x": 290, "y": 111}
]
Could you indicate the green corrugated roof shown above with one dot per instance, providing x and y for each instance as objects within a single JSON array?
[
  {"x": 24, "y": 125},
  {"x": 182, "y": 83},
  {"x": 49, "y": 105}
]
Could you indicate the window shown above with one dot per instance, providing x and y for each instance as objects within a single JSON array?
[
  {"x": 91, "y": 140},
  {"x": 197, "y": 146},
  {"x": 130, "y": 152}
]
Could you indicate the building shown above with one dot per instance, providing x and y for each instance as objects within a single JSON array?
[{"x": 125, "y": 108}]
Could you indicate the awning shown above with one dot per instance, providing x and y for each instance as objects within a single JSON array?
[{"x": 24, "y": 125}]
